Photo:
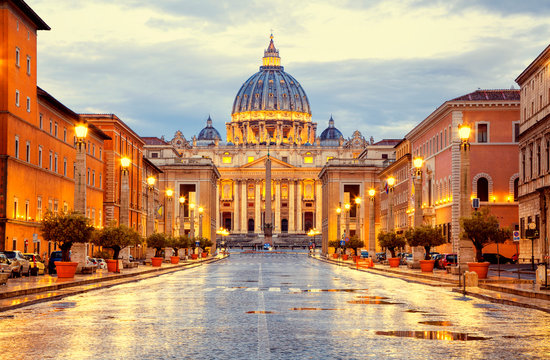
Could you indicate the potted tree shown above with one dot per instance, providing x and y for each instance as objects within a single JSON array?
[
  {"x": 116, "y": 238},
  {"x": 177, "y": 243},
  {"x": 355, "y": 243},
  {"x": 158, "y": 242},
  {"x": 65, "y": 229},
  {"x": 482, "y": 228},
  {"x": 390, "y": 241},
  {"x": 427, "y": 237},
  {"x": 205, "y": 243},
  {"x": 334, "y": 244}
]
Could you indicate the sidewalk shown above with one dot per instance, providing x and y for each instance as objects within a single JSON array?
[
  {"x": 26, "y": 291},
  {"x": 503, "y": 289}
]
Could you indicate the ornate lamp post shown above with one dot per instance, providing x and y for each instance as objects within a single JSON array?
[
  {"x": 418, "y": 251},
  {"x": 358, "y": 217},
  {"x": 81, "y": 131},
  {"x": 464, "y": 247},
  {"x": 124, "y": 217},
  {"x": 372, "y": 241},
  {"x": 168, "y": 226},
  {"x": 192, "y": 217},
  {"x": 150, "y": 204},
  {"x": 201, "y": 210},
  {"x": 181, "y": 200},
  {"x": 338, "y": 216},
  {"x": 347, "y": 206},
  {"x": 391, "y": 182}
]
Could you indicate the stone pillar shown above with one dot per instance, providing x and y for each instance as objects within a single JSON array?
[
  {"x": 217, "y": 212},
  {"x": 291, "y": 211},
  {"x": 257, "y": 208},
  {"x": 277, "y": 226},
  {"x": 318, "y": 208},
  {"x": 244, "y": 206},
  {"x": 299, "y": 227},
  {"x": 236, "y": 209}
]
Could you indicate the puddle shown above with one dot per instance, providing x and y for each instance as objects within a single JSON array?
[
  {"x": 261, "y": 312},
  {"x": 416, "y": 311},
  {"x": 436, "y": 322},
  {"x": 334, "y": 290},
  {"x": 64, "y": 305},
  {"x": 7, "y": 316},
  {"x": 285, "y": 283},
  {"x": 250, "y": 280},
  {"x": 372, "y": 297},
  {"x": 373, "y": 302},
  {"x": 312, "y": 308},
  {"x": 433, "y": 335},
  {"x": 238, "y": 287}
]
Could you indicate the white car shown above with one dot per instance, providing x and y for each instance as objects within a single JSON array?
[
  {"x": 20, "y": 263},
  {"x": 101, "y": 264}
]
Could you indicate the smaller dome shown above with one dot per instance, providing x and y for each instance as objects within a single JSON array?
[
  {"x": 331, "y": 134},
  {"x": 209, "y": 132}
]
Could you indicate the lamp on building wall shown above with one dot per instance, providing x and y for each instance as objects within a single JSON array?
[
  {"x": 465, "y": 191},
  {"x": 391, "y": 182},
  {"x": 181, "y": 200},
  {"x": 372, "y": 232},
  {"x": 168, "y": 226},
  {"x": 151, "y": 180},
  {"x": 358, "y": 217}
]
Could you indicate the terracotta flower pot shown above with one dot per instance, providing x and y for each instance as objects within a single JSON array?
[
  {"x": 65, "y": 269},
  {"x": 481, "y": 268},
  {"x": 194, "y": 256},
  {"x": 355, "y": 257},
  {"x": 335, "y": 256},
  {"x": 344, "y": 256},
  {"x": 156, "y": 261},
  {"x": 427, "y": 265},
  {"x": 174, "y": 259},
  {"x": 112, "y": 266},
  {"x": 394, "y": 262},
  {"x": 204, "y": 255}
]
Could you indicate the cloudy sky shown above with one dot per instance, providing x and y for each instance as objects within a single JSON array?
[{"x": 377, "y": 66}]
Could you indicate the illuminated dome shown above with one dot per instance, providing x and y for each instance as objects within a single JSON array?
[
  {"x": 209, "y": 132},
  {"x": 273, "y": 105}
]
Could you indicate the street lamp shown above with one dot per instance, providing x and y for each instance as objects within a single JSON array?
[
  {"x": 81, "y": 131},
  {"x": 391, "y": 182},
  {"x": 418, "y": 218},
  {"x": 151, "y": 180},
  {"x": 181, "y": 200},
  {"x": 223, "y": 232},
  {"x": 358, "y": 217},
  {"x": 168, "y": 226},
  {"x": 192, "y": 216},
  {"x": 347, "y": 206},
  {"x": 313, "y": 233},
  {"x": 338, "y": 215},
  {"x": 124, "y": 217},
  {"x": 465, "y": 190},
  {"x": 372, "y": 232},
  {"x": 201, "y": 210}
]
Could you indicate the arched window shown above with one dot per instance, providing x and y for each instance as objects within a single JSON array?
[
  {"x": 516, "y": 185},
  {"x": 483, "y": 189}
]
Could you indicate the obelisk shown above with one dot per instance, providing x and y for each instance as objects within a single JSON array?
[{"x": 268, "y": 226}]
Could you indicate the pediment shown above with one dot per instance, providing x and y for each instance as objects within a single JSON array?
[{"x": 260, "y": 164}]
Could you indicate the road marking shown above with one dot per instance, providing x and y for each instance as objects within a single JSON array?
[
  {"x": 264, "y": 351},
  {"x": 294, "y": 289},
  {"x": 229, "y": 289},
  {"x": 274, "y": 289},
  {"x": 252, "y": 289}
]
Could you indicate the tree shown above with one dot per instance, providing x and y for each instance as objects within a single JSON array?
[
  {"x": 157, "y": 241},
  {"x": 178, "y": 242},
  {"x": 354, "y": 243},
  {"x": 482, "y": 228},
  {"x": 390, "y": 241},
  {"x": 334, "y": 243},
  {"x": 65, "y": 229},
  {"x": 204, "y": 243},
  {"x": 425, "y": 236},
  {"x": 116, "y": 237}
]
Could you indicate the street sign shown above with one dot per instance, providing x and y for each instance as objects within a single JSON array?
[
  {"x": 342, "y": 242},
  {"x": 346, "y": 239},
  {"x": 475, "y": 203},
  {"x": 516, "y": 235},
  {"x": 197, "y": 243},
  {"x": 35, "y": 238}
]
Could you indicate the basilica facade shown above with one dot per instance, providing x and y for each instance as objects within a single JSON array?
[{"x": 272, "y": 115}]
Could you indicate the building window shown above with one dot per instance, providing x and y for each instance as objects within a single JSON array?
[
  {"x": 27, "y": 209},
  {"x": 250, "y": 159},
  {"x": 16, "y": 97},
  {"x": 100, "y": 152},
  {"x": 55, "y": 129},
  {"x": 308, "y": 159},
  {"x": 28, "y": 65},
  {"x": 285, "y": 159},
  {"x": 50, "y": 205},
  {"x": 516, "y": 132},
  {"x": 55, "y": 206},
  {"x": 88, "y": 176},
  {"x": 40, "y": 156},
  {"x": 51, "y": 126},
  {"x": 538, "y": 160},
  {"x": 39, "y": 208},
  {"x": 28, "y": 104},
  {"x": 55, "y": 163},
  {"x": 28, "y": 151},
  {"x": 65, "y": 134},
  {"x": 64, "y": 166},
  {"x": 226, "y": 159},
  {"x": 93, "y": 178},
  {"x": 384, "y": 156},
  {"x": 17, "y": 147},
  {"x": 93, "y": 150},
  {"x": 15, "y": 206},
  {"x": 483, "y": 189},
  {"x": 154, "y": 155},
  {"x": 40, "y": 121},
  {"x": 100, "y": 184},
  {"x": 51, "y": 161},
  {"x": 65, "y": 207},
  {"x": 17, "y": 57},
  {"x": 516, "y": 186},
  {"x": 482, "y": 133}
]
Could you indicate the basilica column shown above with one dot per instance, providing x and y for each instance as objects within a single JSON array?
[
  {"x": 291, "y": 213},
  {"x": 244, "y": 206},
  {"x": 277, "y": 226},
  {"x": 218, "y": 220},
  {"x": 258, "y": 208},
  {"x": 318, "y": 210},
  {"x": 299, "y": 227},
  {"x": 236, "y": 209}
]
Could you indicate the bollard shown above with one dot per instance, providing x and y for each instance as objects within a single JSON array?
[{"x": 470, "y": 279}]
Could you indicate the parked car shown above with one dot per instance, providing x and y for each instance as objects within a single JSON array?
[
  {"x": 6, "y": 265},
  {"x": 447, "y": 259},
  {"x": 436, "y": 258},
  {"x": 22, "y": 264},
  {"x": 36, "y": 263},
  {"x": 54, "y": 256},
  {"x": 90, "y": 261},
  {"x": 101, "y": 264},
  {"x": 404, "y": 257},
  {"x": 380, "y": 256},
  {"x": 433, "y": 254},
  {"x": 494, "y": 259}
]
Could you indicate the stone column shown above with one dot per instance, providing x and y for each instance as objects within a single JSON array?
[
  {"x": 236, "y": 209},
  {"x": 318, "y": 208},
  {"x": 244, "y": 206},
  {"x": 277, "y": 226},
  {"x": 257, "y": 208},
  {"x": 291, "y": 212},
  {"x": 299, "y": 227},
  {"x": 218, "y": 220}
]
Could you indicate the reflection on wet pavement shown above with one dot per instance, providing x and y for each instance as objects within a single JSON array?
[{"x": 320, "y": 312}]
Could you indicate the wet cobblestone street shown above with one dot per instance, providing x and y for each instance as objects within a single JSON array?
[{"x": 273, "y": 306}]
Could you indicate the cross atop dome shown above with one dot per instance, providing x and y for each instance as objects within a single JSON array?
[{"x": 271, "y": 55}]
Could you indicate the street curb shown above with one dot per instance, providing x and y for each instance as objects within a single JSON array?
[
  {"x": 500, "y": 300},
  {"x": 130, "y": 278}
]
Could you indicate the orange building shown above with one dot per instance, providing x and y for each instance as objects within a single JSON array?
[
  {"x": 37, "y": 148},
  {"x": 124, "y": 142}
]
